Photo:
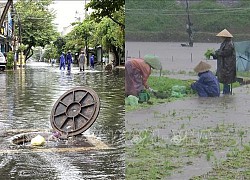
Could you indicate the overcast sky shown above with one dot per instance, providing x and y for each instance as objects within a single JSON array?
[{"x": 66, "y": 12}]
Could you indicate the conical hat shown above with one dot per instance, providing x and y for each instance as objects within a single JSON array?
[
  {"x": 153, "y": 61},
  {"x": 224, "y": 33},
  {"x": 202, "y": 67}
]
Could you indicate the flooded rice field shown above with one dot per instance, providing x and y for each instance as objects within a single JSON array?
[
  {"x": 27, "y": 98},
  {"x": 173, "y": 56},
  {"x": 192, "y": 138}
]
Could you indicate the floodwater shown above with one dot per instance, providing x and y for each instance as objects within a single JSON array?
[
  {"x": 193, "y": 114},
  {"x": 172, "y": 55},
  {"x": 27, "y": 97}
]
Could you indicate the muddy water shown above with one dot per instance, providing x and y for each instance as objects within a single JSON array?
[
  {"x": 192, "y": 115},
  {"x": 173, "y": 56},
  {"x": 27, "y": 97}
]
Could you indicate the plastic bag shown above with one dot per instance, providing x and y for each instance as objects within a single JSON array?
[
  {"x": 132, "y": 100},
  {"x": 38, "y": 141},
  {"x": 143, "y": 96}
]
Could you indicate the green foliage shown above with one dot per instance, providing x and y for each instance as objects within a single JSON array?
[
  {"x": 21, "y": 48},
  {"x": 108, "y": 33},
  {"x": 114, "y": 39},
  {"x": 50, "y": 52},
  {"x": 105, "y": 33},
  {"x": 148, "y": 158},
  {"x": 35, "y": 23},
  {"x": 79, "y": 37},
  {"x": 113, "y": 9},
  {"x": 59, "y": 43},
  {"x": 208, "y": 53},
  {"x": 10, "y": 60},
  {"x": 165, "y": 84}
]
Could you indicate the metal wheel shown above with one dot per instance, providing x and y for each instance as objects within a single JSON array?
[{"x": 75, "y": 111}]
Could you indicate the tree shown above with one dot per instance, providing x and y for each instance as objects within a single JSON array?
[
  {"x": 35, "y": 24},
  {"x": 81, "y": 36},
  {"x": 59, "y": 43},
  {"x": 110, "y": 36},
  {"x": 50, "y": 52},
  {"x": 114, "y": 9}
]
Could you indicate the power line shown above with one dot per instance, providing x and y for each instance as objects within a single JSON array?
[
  {"x": 183, "y": 14},
  {"x": 180, "y": 10}
]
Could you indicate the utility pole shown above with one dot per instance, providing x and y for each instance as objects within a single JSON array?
[
  {"x": 189, "y": 27},
  {"x": 85, "y": 15},
  {"x": 13, "y": 13},
  {"x": 20, "y": 40}
]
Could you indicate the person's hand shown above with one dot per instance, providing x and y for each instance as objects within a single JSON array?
[{"x": 150, "y": 89}]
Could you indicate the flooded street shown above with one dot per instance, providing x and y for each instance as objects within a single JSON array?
[{"x": 27, "y": 98}]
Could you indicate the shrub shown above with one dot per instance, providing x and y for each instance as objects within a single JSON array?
[{"x": 10, "y": 60}]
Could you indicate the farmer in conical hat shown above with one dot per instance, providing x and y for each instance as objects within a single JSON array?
[
  {"x": 207, "y": 84},
  {"x": 226, "y": 61},
  {"x": 137, "y": 72}
]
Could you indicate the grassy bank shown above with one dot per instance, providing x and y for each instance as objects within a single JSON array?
[{"x": 166, "y": 20}]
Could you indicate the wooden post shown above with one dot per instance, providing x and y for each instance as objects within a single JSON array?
[{"x": 127, "y": 55}]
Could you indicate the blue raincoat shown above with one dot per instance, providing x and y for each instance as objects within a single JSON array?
[
  {"x": 207, "y": 85},
  {"x": 92, "y": 61},
  {"x": 62, "y": 62},
  {"x": 69, "y": 60}
]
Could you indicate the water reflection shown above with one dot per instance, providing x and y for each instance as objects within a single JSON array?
[{"x": 27, "y": 97}]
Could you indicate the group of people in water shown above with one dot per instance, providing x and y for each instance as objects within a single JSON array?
[
  {"x": 68, "y": 59},
  {"x": 208, "y": 84}
]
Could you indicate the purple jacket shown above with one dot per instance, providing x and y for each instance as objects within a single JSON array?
[{"x": 207, "y": 85}]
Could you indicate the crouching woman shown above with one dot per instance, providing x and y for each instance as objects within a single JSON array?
[{"x": 207, "y": 85}]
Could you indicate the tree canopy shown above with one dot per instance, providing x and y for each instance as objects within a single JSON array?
[
  {"x": 114, "y": 9},
  {"x": 34, "y": 20}
]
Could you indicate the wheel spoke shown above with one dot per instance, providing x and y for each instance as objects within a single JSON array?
[
  {"x": 74, "y": 123},
  {"x": 64, "y": 123},
  {"x": 59, "y": 114},
  {"x": 85, "y": 117},
  {"x": 74, "y": 96},
  {"x": 83, "y": 97},
  {"x": 63, "y": 103},
  {"x": 87, "y": 105}
]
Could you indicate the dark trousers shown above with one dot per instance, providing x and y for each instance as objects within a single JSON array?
[{"x": 227, "y": 89}]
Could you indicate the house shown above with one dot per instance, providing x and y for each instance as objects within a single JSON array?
[{"x": 6, "y": 41}]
